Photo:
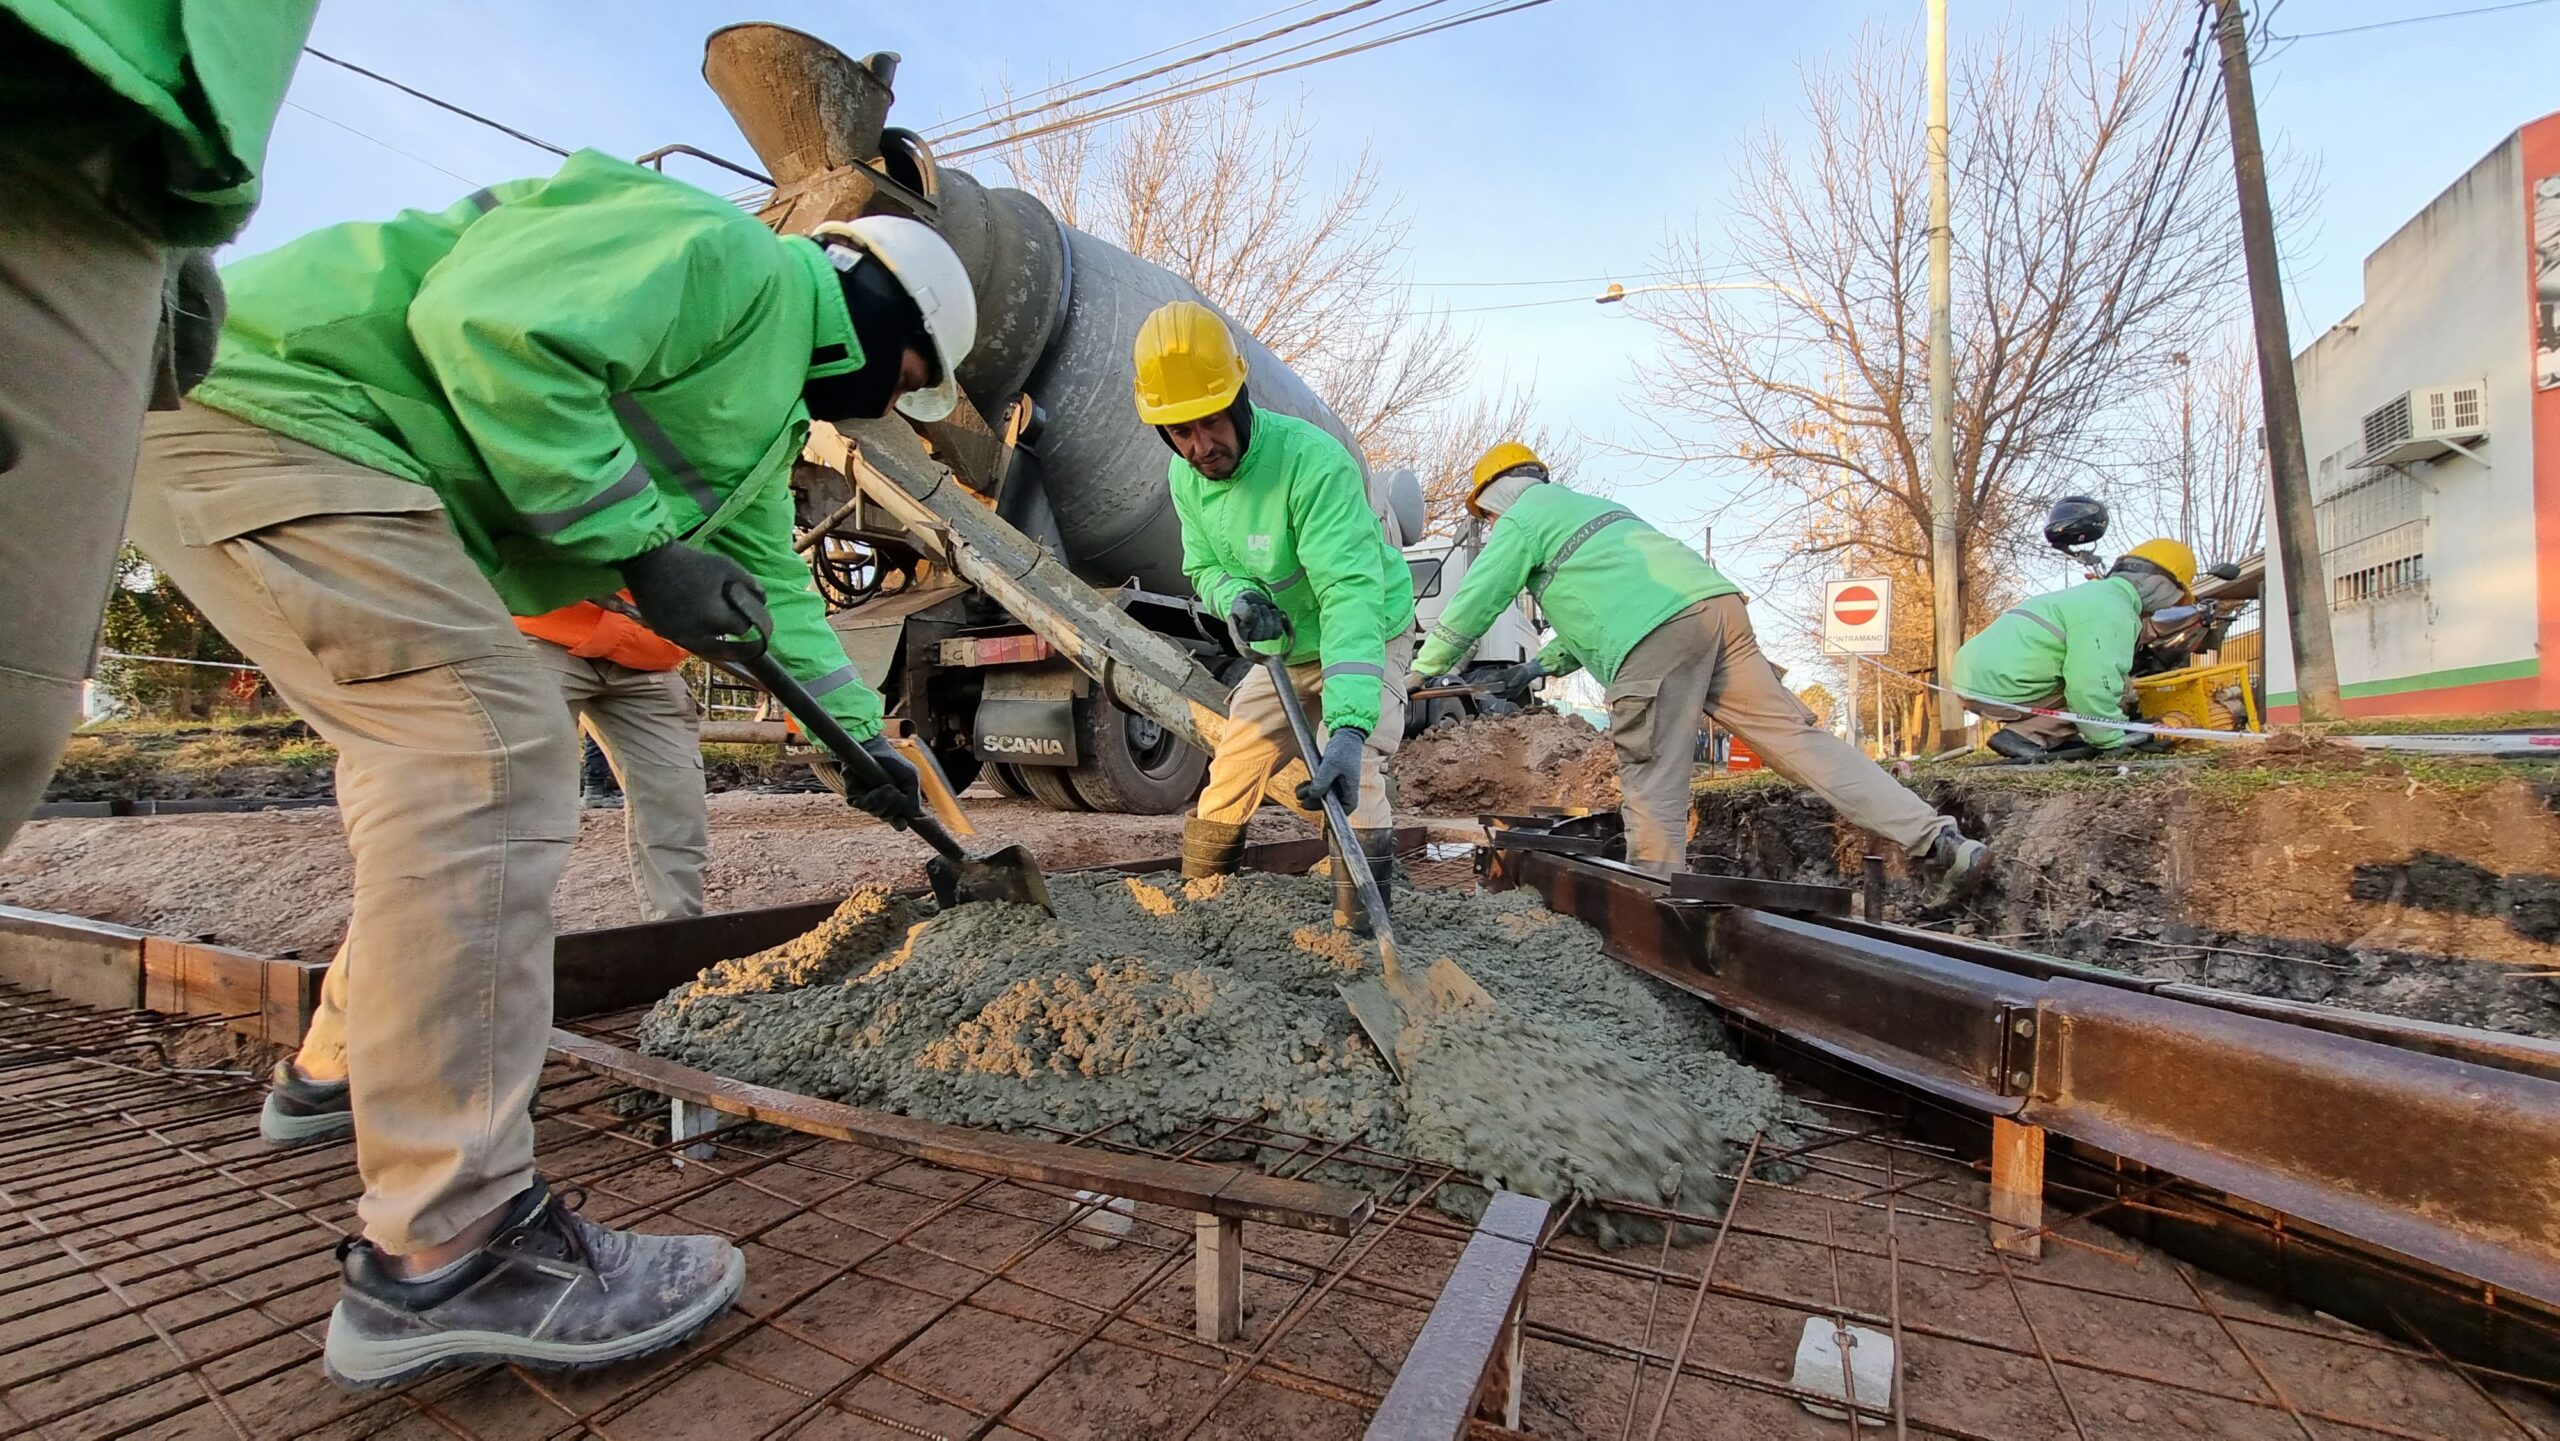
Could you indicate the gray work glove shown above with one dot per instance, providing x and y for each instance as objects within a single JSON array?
[
  {"x": 696, "y": 598},
  {"x": 1336, "y": 771},
  {"x": 898, "y": 802},
  {"x": 1518, "y": 677},
  {"x": 1257, "y": 617}
]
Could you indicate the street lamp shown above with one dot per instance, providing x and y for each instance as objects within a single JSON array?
[{"x": 1617, "y": 292}]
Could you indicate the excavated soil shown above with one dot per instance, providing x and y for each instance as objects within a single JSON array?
[
  {"x": 2428, "y": 889},
  {"x": 1506, "y": 765},
  {"x": 1158, "y": 1001}
]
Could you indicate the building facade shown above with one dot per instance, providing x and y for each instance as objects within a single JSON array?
[{"x": 2431, "y": 419}]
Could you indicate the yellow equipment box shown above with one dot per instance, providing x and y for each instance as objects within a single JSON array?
[{"x": 2205, "y": 697}]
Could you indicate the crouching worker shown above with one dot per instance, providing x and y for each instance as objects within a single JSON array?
[
  {"x": 1276, "y": 526},
  {"x": 1667, "y": 634},
  {"x": 2070, "y": 650},
  {"x": 414, "y": 431}
]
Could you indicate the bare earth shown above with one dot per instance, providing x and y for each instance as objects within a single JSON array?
[{"x": 276, "y": 881}]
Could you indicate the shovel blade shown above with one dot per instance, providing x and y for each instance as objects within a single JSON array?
[
  {"x": 1010, "y": 876},
  {"x": 1381, "y": 1017}
]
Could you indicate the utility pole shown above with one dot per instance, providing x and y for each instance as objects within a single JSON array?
[
  {"x": 1946, "y": 548},
  {"x": 2306, "y": 584}
]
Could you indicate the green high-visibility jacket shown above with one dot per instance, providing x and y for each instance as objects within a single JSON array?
[
  {"x": 1294, "y": 523},
  {"x": 2077, "y": 641},
  {"x": 209, "y": 74},
  {"x": 581, "y": 368},
  {"x": 1603, "y": 578}
]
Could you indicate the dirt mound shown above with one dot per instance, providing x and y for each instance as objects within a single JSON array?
[
  {"x": 1506, "y": 765},
  {"x": 2428, "y": 889},
  {"x": 1161, "y": 1003}
]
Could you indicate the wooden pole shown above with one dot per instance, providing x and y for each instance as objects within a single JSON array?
[{"x": 2306, "y": 583}]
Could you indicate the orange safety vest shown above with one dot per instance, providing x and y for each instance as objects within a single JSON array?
[{"x": 584, "y": 628}]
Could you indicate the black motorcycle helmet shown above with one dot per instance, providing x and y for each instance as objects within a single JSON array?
[{"x": 2076, "y": 522}]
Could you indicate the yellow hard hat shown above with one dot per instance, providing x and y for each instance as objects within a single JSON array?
[
  {"x": 1491, "y": 466},
  {"x": 1188, "y": 366},
  {"x": 2172, "y": 556}
]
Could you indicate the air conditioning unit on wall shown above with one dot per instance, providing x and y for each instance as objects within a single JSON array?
[{"x": 2426, "y": 424}]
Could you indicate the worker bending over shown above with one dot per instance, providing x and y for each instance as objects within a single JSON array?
[
  {"x": 414, "y": 431},
  {"x": 1278, "y": 537},
  {"x": 1667, "y": 634},
  {"x": 620, "y": 681},
  {"x": 130, "y": 133},
  {"x": 2071, "y": 650}
]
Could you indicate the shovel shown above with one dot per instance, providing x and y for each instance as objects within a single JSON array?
[
  {"x": 1010, "y": 875},
  {"x": 1383, "y": 1003}
]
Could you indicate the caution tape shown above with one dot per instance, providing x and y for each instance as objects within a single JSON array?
[
  {"x": 2444, "y": 743},
  {"x": 176, "y": 660}
]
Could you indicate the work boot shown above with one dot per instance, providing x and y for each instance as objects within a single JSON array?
[
  {"x": 303, "y": 1112},
  {"x": 1210, "y": 848},
  {"x": 1958, "y": 868},
  {"x": 1378, "y": 849},
  {"x": 551, "y": 1290},
  {"x": 2019, "y": 748}
]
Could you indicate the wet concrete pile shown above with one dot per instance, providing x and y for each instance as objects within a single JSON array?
[
  {"x": 1165, "y": 1003},
  {"x": 1506, "y": 765}
]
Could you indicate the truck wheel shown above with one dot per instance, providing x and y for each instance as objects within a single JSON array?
[
  {"x": 1130, "y": 764},
  {"x": 1048, "y": 785},
  {"x": 1005, "y": 781}
]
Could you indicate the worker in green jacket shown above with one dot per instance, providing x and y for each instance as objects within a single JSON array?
[
  {"x": 1278, "y": 538},
  {"x": 2071, "y": 649},
  {"x": 131, "y": 135},
  {"x": 552, "y": 390},
  {"x": 1667, "y": 634}
]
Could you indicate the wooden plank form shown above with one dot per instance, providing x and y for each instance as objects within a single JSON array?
[{"x": 1466, "y": 1362}]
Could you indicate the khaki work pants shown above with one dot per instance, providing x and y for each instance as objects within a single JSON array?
[
  {"x": 1706, "y": 660},
  {"x": 80, "y": 306},
  {"x": 1257, "y": 744},
  {"x": 2045, "y": 730},
  {"x": 652, "y": 735},
  {"x": 457, "y": 785}
]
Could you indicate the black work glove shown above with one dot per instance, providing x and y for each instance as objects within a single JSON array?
[
  {"x": 1336, "y": 772},
  {"x": 898, "y": 802},
  {"x": 1518, "y": 677},
  {"x": 1256, "y": 616},
  {"x": 696, "y": 598}
]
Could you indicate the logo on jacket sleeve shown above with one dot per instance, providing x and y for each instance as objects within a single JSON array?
[{"x": 1258, "y": 544}]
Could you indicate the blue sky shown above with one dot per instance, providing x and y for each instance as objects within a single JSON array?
[{"x": 1555, "y": 145}]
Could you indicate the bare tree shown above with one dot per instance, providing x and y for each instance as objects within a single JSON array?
[
  {"x": 2203, "y": 468},
  {"x": 1226, "y": 195},
  {"x": 2092, "y": 239}
]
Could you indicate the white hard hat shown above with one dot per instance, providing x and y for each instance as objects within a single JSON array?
[{"x": 924, "y": 266}]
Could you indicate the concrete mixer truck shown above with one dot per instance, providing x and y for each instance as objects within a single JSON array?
[{"x": 1010, "y": 579}]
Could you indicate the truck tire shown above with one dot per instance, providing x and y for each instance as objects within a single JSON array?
[
  {"x": 1048, "y": 785},
  {"x": 1005, "y": 781},
  {"x": 1130, "y": 764}
]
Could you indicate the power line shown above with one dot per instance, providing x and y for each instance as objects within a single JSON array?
[
  {"x": 1134, "y": 60},
  {"x": 378, "y": 140},
  {"x": 1561, "y": 280},
  {"x": 1022, "y": 112},
  {"x": 441, "y": 104},
  {"x": 2411, "y": 20},
  {"x": 1173, "y": 93}
]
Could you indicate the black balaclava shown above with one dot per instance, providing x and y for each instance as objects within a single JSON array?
[
  {"x": 1239, "y": 410},
  {"x": 886, "y": 324}
]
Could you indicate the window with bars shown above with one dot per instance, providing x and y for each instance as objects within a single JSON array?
[{"x": 2373, "y": 532}]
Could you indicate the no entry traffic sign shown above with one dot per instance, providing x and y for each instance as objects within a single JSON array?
[{"x": 1857, "y": 617}]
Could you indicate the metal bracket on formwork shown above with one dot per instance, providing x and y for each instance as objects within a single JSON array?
[
  {"x": 688, "y": 1122},
  {"x": 2017, "y": 1050}
]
